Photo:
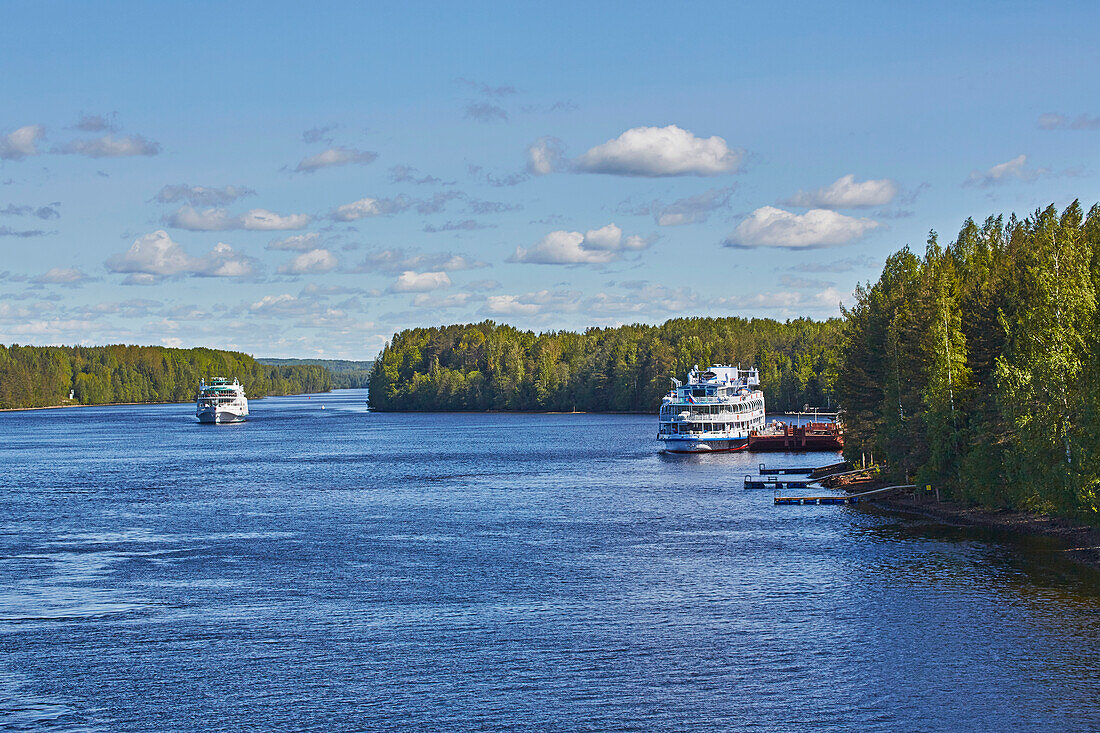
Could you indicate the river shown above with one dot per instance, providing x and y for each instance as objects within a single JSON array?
[{"x": 322, "y": 568}]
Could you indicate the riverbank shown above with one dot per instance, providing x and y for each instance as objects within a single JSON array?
[
  {"x": 131, "y": 404},
  {"x": 80, "y": 404},
  {"x": 1081, "y": 541}
]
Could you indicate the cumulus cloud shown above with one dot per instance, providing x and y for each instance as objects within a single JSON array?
[
  {"x": 334, "y": 156},
  {"x": 661, "y": 151},
  {"x": 296, "y": 242},
  {"x": 71, "y": 276},
  {"x": 533, "y": 304},
  {"x": 313, "y": 261},
  {"x": 485, "y": 112},
  {"x": 155, "y": 256},
  {"x": 1011, "y": 170},
  {"x": 111, "y": 146},
  {"x": 596, "y": 246},
  {"x": 545, "y": 155},
  {"x": 847, "y": 193},
  {"x": 21, "y": 143},
  {"x": 1054, "y": 121},
  {"x": 772, "y": 227},
  {"x": 367, "y": 207},
  {"x": 202, "y": 195},
  {"x": 420, "y": 282},
  {"x": 220, "y": 220}
]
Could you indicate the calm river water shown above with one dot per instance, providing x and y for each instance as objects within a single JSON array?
[{"x": 335, "y": 570}]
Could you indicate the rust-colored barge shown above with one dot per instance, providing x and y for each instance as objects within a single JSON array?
[{"x": 812, "y": 436}]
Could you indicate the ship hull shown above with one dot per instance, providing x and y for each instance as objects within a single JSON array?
[
  {"x": 220, "y": 417},
  {"x": 704, "y": 445}
]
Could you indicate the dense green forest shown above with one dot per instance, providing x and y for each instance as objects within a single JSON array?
[
  {"x": 40, "y": 376},
  {"x": 977, "y": 367},
  {"x": 345, "y": 374},
  {"x": 487, "y": 366}
]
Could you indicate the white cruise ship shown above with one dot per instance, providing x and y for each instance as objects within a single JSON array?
[
  {"x": 715, "y": 411},
  {"x": 221, "y": 401}
]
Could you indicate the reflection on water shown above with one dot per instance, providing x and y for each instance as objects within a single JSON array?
[{"x": 339, "y": 570}]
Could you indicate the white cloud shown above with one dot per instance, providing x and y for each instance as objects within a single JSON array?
[
  {"x": 338, "y": 155},
  {"x": 366, "y": 207},
  {"x": 155, "y": 256},
  {"x": 533, "y": 304},
  {"x": 454, "y": 300},
  {"x": 510, "y": 305},
  {"x": 202, "y": 195},
  {"x": 596, "y": 246},
  {"x": 62, "y": 276},
  {"x": 296, "y": 242},
  {"x": 313, "y": 261},
  {"x": 661, "y": 151},
  {"x": 224, "y": 261},
  {"x": 420, "y": 282},
  {"x": 772, "y": 227},
  {"x": 545, "y": 155},
  {"x": 110, "y": 146},
  {"x": 21, "y": 143},
  {"x": 1015, "y": 169},
  {"x": 846, "y": 193},
  {"x": 220, "y": 220}
]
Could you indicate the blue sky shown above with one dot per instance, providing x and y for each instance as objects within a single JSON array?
[{"x": 294, "y": 180}]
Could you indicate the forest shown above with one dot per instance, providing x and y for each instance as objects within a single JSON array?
[
  {"x": 345, "y": 374},
  {"x": 42, "y": 376},
  {"x": 976, "y": 367},
  {"x": 489, "y": 366}
]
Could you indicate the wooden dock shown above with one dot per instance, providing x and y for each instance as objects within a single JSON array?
[
  {"x": 812, "y": 436},
  {"x": 840, "y": 499},
  {"x": 814, "y": 472},
  {"x": 775, "y": 483},
  {"x": 789, "y": 500}
]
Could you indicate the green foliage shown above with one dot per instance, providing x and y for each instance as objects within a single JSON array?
[
  {"x": 486, "y": 366},
  {"x": 345, "y": 374},
  {"x": 978, "y": 367},
  {"x": 41, "y": 376}
]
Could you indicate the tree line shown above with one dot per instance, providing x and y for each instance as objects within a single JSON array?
[
  {"x": 42, "y": 376},
  {"x": 977, "y": 366},
  {"x": 489, "y": 366},
  {"x": 345, "y": 374}
]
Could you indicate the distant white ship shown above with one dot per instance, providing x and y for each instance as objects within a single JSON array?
[
  {"x": 221, "y": 401},
  {"x": 715, "y": 411}
]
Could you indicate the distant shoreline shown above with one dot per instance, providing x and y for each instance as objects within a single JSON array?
[
  {"x": 79, "y": 404},
  {"x": 132, "y": 404}
]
